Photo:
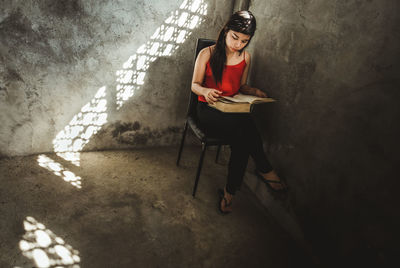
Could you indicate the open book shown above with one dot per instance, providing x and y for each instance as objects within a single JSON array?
[{"x": 239, "y": 103}]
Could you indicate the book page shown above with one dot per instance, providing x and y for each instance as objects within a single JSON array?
[
  {"x": 222, "y": 99},
  {"x": 243, "y": 98}
]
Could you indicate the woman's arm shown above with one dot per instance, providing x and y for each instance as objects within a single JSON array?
[
  {"x": 209, "y": 94},
  {"x": 244, "y": 88}
]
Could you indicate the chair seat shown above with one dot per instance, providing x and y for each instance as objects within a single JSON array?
[{"x": 200, "y": 133}]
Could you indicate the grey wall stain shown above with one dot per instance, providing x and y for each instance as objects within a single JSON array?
[
  {"x": 120, "y": 128},
  {"x": 134, "y": 136},
  {"x": 64, "y": 8}
]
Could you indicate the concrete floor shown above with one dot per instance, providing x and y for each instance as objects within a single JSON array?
[{"x": 133, "y": 209}]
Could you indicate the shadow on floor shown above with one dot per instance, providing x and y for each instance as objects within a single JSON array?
[{"x": 134, "y": 209}]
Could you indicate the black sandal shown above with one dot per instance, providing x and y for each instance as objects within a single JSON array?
[
  {"x": 267, "y": 183},
  {"x": 221, "y": 195}
]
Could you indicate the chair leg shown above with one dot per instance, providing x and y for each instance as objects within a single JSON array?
[
  {"x": 182, "y": 142},
  {"x": 218, "y": 150},
  {"x": 203, "y": 150}
]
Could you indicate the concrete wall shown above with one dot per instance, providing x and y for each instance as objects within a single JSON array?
[
  {"x": 72, "y": 78},
  {"x": 333, "y": 135},
  {"x": 74, "y": 75}
]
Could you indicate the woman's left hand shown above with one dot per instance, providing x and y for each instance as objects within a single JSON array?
[{"x": 260, "y": 93}]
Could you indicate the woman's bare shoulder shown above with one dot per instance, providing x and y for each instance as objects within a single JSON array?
[
  {"x": 247, "y": 56},
  {"x": 205, "y": 53}
]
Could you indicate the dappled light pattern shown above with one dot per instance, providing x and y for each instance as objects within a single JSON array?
[
  {"x": 59, "y": 170},
  {"x": 46, "y": 249},
  {"x": 39, "y": 243},
  {"x": 164, "y": 42},
  {"x": 71, "y": 140}
]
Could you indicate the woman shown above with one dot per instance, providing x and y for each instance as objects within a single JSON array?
[{"x": 221, "y": 70}]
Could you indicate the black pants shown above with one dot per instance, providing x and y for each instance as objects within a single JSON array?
[{"x": 243, "y": 137}]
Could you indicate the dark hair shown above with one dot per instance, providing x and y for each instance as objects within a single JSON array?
[{"x": 242, "y": 22}]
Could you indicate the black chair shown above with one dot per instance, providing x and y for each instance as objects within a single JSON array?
[{"x": 192, "y": 122}]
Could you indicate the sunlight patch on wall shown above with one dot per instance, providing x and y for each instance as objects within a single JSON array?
[
  {"x": 71, "y": 140},
  {"x": 59, "y": 170},
  {"x": 164, "y": 42},
  {"x": 45, "y": 248}
]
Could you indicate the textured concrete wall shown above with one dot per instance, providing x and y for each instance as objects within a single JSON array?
[
  {"x": 74, "y": 75},
  {"x": 333, "y": 134}
]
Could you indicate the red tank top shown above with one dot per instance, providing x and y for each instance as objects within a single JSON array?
[{"x": 231, "y": 78}]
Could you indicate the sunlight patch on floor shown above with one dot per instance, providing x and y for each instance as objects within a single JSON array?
[
  {"x": 45, "y": 248},
  {"x": 59, "y": 171}
]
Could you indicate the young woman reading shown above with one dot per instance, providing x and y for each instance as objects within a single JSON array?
[{"x": 221, "y": 70}]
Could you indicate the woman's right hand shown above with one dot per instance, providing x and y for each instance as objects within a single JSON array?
[{"x": 211, "y": 95}]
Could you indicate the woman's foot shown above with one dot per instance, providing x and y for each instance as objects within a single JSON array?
[
  {"x": 225, "y": 203},
  {"x": 270, "y": 177}
]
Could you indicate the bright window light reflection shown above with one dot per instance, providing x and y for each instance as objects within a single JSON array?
[
  {"x": 71, "y": 140},
  {"x": 59, "y": 170},
  {"x": 164, "y": 42},
  {"x": 45, "y": 248}
]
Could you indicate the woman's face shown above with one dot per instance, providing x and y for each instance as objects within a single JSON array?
[{"x": 235, "y": 41}]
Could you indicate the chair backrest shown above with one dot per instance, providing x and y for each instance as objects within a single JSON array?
[{"x": 193, "y": 99}]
